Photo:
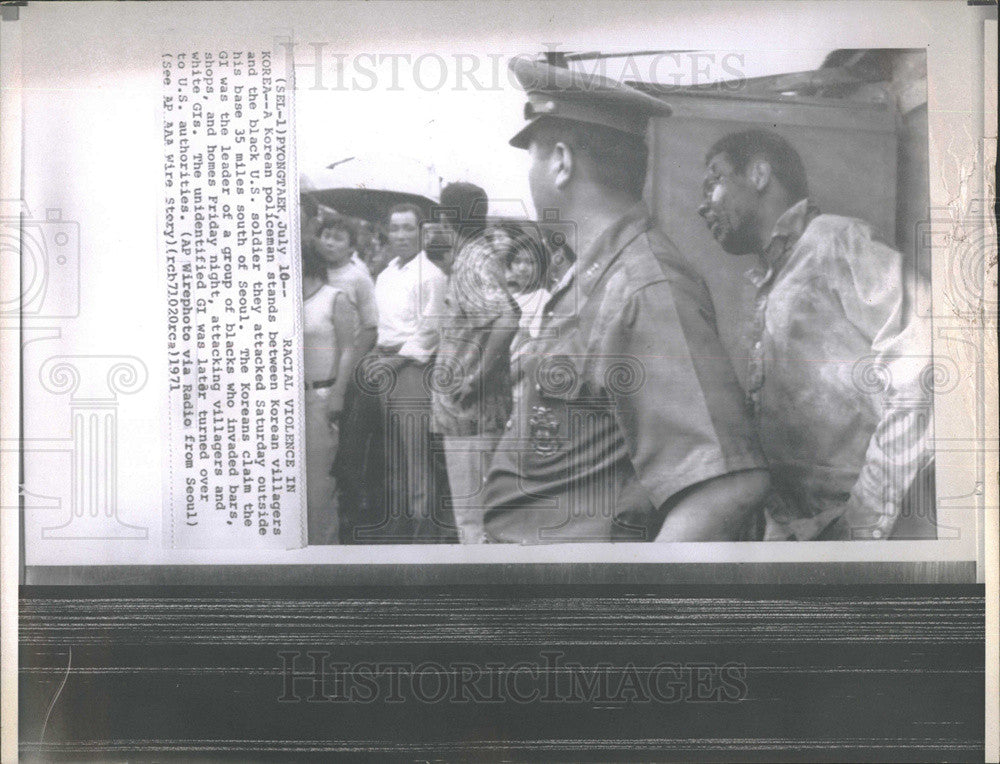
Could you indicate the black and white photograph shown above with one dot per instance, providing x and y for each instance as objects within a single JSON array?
[
  {"x": 707, "y": 330},
  {"x": 499, "y": 381}
]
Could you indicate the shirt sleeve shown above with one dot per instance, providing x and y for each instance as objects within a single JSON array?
[
  {"x": 872, "y": 287},
  {"x": 431, "y": 310},
  {"x": 492, "y": 307},
  {"x": 478, "y": 290},
  {"x": 677, "y": 400}
]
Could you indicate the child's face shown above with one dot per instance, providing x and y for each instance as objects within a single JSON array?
[
  {"x": 334, "y": 246},
  {"x": 521, "y": 272}
]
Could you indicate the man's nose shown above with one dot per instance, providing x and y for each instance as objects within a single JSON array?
[{"x": 704, "y": 208}]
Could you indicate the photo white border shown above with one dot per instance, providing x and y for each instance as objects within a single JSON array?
[
  {"x": 953, "y": 99},
  {"x": 954, "y": 87}
]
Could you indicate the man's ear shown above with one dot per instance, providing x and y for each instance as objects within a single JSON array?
[
  {"x": 562, "y": 165},
  {"x": 759, "y": 174}
]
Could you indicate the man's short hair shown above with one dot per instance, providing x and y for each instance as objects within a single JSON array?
[
  {"x": 337, "y": 222},
  {"x": 463, "y": 203},
  {"x": 521, "y": 240},
  {"x": 786, "y": 164},
  {"x": 406, "y": 207},
  {"x": 618, "y": 159}
]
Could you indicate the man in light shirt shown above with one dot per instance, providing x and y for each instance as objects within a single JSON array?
[
  {"x": 409, "y": 294},
  {"x": 839, "y": 373}
]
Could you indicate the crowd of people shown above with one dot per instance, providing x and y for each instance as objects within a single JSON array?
[
  {"x": 413, "y": 332},
  {"x": 470, "y": 379}
]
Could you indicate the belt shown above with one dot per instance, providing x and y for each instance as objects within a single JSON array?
[
  {"x": 320, "y": 384},
  {"x": 389, "y": 349}
]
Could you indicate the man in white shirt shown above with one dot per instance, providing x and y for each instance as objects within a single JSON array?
[{"x": 410, "y": 298}]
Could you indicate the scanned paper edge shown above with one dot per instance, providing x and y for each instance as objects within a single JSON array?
[
  {"x": 10, "y": 548},
  {"x": 10, "y": 394}
]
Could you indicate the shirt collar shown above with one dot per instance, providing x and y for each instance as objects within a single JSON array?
[
  {"x": 788, "y": 229},
  {"x": 592, "y": 264},
  {"x": 794, "y": 220},
  {"x": 564, "y": 281},
  {"x": 420, "y": 257}
]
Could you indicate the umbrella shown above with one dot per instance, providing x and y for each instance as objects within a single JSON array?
[{"x": 367, "y": 186}]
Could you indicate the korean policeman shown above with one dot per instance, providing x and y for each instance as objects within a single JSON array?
[{"x": 628, "y": 421}]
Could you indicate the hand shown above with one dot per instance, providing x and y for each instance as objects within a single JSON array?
[
  {"x": 466, "y": 389},
  {"x": 334, "y": 410},
  {"x": 395, "y": 362},
  {"x": 857, "y": 523}
]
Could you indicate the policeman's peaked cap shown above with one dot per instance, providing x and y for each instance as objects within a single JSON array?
[{"x": 554, "y": 91}]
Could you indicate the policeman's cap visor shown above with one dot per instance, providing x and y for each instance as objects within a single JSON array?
[{"x": 567, "y": 96}]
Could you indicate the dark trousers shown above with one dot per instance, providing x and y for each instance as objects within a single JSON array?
[
  {"x": 394, "y": 483},
  {"x": 357, "y": 434}
]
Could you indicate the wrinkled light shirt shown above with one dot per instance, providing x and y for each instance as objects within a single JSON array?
[{"x": 839, "y": 376}]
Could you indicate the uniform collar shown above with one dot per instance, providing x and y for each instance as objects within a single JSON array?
[
  {"x": 564, "y": 282},
  {"x": 593, "y": 263},
  {"x": 786, "y": 232}
]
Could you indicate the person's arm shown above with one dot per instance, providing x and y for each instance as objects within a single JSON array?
[
  {"x": 872, "y": 292},
  {"x": 719, "y": 509},
  {"x": 345, "y": 360},
  {"x": 680, "y": 410},
  {"x": 498, "y": 339},
  {"x": 424, "y": 342},
  {"x": 365, "y": 340},
  {"x": 367, "y": 310},
  {"x": 498, "y": 315}
]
